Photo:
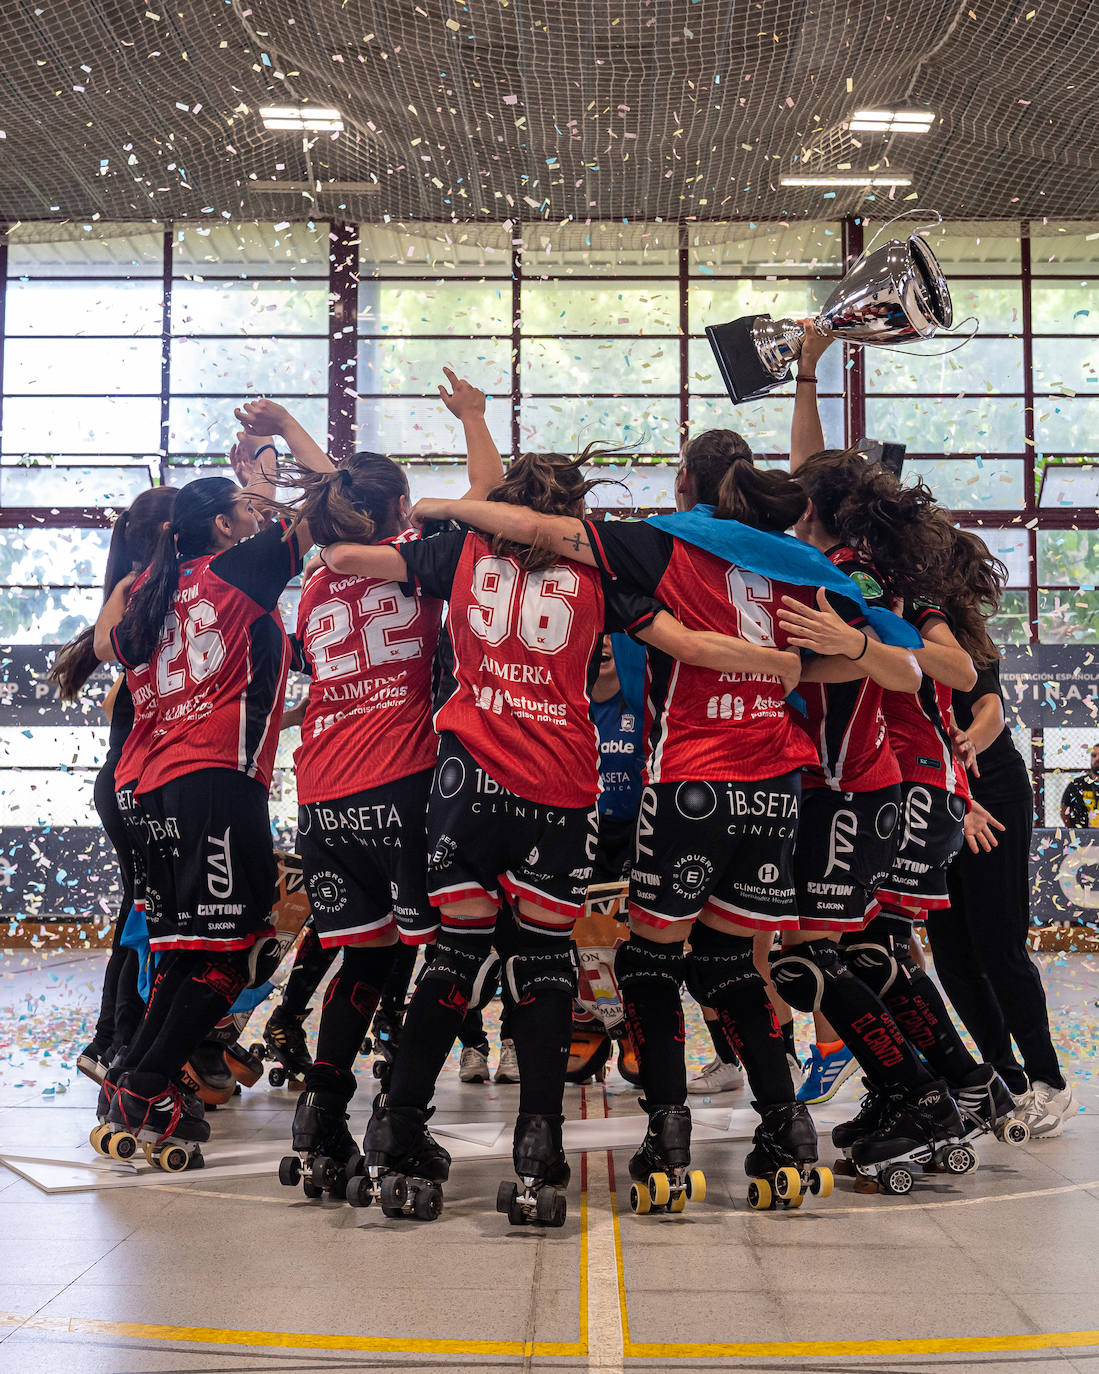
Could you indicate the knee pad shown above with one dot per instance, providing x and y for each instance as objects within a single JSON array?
[
  {"x": 463, "y": 963},
  {"x": 640, "y": 960},
  {"x": 873, "y": 963},
  {"x": 802, "y": 972},
  {"x": 719, "y": 965},
  {"x": 540, "y": 971}
]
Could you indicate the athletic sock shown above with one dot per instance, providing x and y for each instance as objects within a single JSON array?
[
  {"x": 431, "y": 1025},
  {"x": 654, "y": 1015},
  {"x": 205, "y": 986},
  {"x": 722, "y": 1048},
  {"x": 311, "y": 963},
  {"x": 869, "y": 1031},
  {"x": 166, "y": 980},
  {"x": 826, "y": 1047},
  {"x": 349, "y": 1003},
  {"x": 541, "y": 1027},
  {"x": 395, "y": 988}
]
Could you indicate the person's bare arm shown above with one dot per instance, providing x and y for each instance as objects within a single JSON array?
[
  {"x": 111, "y": 697},
  {"x": 944, "y": 659},
  {"x": 366, "y": 560},
  {"x": 563, "y": 535},
  {"x": 722, "y": 653},
  {"x": 253, "y": 459},
  {"x": 806, "y": 432},
  {"x": 268, "y": 417},
  {"x": 484, "y": 466},
  {"x": 988, "y": 721},
  {"x": 114, "y": 608},
  {"x": 830, "y": 636}
]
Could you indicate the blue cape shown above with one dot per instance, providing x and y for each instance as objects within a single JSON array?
[{"x": 784, "y": 558}]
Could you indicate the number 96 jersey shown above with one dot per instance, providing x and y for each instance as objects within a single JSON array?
[{"x": 369, "y": 647}]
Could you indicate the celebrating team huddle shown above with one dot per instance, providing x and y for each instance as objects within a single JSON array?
[{"x": 805, "y": 792}]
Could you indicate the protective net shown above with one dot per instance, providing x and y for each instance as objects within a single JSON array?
[{"x": 507, "y": 109}]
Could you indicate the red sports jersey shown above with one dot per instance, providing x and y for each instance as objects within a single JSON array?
[
  {"x": 917, "y": 721},
  {"x": 700, "y": 723},
  {"x": 138, "y": 681},
  {"x": 369, "y": 647},
  {"x": 219, "y": 667},
  {"x": 526, "y": 650},
  {"x": 844, "y": 719}
]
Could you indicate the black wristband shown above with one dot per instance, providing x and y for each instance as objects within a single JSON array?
[
  {"x": 865, "y": 642},
  {"x": 264, "y": 449},
  {"x": 808, "y": 380}
]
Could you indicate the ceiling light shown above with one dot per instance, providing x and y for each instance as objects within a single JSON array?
[
  {"x": 296, "y": 118},
  {"x": 858, "y": 179},
  {"x": 892, "y": 121}
]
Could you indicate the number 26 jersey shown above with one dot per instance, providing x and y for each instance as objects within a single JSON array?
[{"x": 369, "y": 647}]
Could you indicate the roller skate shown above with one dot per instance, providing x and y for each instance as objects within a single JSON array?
[
  {"x": 246, "y": 1067},
  {"x": 93, "y": 1061},
  {"x": 588, "y": 1053},
  {"x": 325, "y": 1151},
  {"x": 868, "y": 1118},
  {"x": 207, "y": 1075},
  {"x": 284, "y": 1042},
  {"x": 987, "y": 1105},
  {"x": 663, "y": 1180},
  {"x": 160, "y": 1117},
  {"x": 543, "y": 1170},
  {"x": 385, "y": 1036},
  {"x": 401, "y": 1166},
  {"x": 922, "y": 1127},
  {"x": 782, "y": 1164}
]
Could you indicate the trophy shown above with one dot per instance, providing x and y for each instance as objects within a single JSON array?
[{"x": 894, "y": 294}]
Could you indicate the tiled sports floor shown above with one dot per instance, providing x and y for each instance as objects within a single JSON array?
[{"x": 995, "y": 1271}]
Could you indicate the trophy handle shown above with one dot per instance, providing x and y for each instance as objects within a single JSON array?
[
  {"x": 935, "y": 352},
  {"x": 906, "y": 214}
]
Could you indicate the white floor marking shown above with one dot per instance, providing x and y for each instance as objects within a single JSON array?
[{"x": 604, "y": 1317}]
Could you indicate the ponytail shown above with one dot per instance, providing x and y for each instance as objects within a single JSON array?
[
  {"x": 765, "y": 498},
  {"x": 189, "y": 535},
  {"x": 133, "y": 539},
  {"x": 974, "y": 589},
  {"x": 358, "y": 502},
  {"x": 550, "y": 483}
]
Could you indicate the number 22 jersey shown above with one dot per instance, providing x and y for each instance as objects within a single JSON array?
[
  {"x": 219, "y": 667},
  {"x": 369, "y": 646}
]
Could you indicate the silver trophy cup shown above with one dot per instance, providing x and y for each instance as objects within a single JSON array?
[{"x": 894, "y": 294}]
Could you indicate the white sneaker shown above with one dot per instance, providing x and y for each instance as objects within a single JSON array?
[
  {"x": 798, "y": 1072},
  {"x": 473, "y": 1066},
  {"x": 1044, "y": 1108},
  {"x": 507, "y": 1071},
  {"x": 717, "y": 1077}
]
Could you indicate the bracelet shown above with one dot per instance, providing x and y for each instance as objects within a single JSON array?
[
  {"x": 807, "y": 380},
  {"x": 264, "y": 449},
  {"x": 865, "y": 642}
]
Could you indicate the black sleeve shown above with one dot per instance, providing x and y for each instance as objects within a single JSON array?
[
  {"x": 850, "y": 610},
  {"x": 298, "y": 661},
  {"x": 921, "y": 613},
  {"x": 1072, "y": 805},
  {"x": 262, "y": 565},
  {"x": 433, "y": 562},
  {"x": 124, "y": 650},
  {"x": 626, "y": 610},
  {"x": 987, "y": 685},
  {"x": 630, "y": 549}
]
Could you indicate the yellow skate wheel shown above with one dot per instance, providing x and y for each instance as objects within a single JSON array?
[
  {"x": 99, "y": 1137},
  {"x": 640, "y": 1202},
  {"x": 173, "y": 1160},
  {"x": 795, "y": 1201},
  {"x": 821, "y": 1182},
  {"x": 759, "y": 1195},
  {"x": 678, "y": 1203},
  {"x": 122, "y": 1145},
  {"x": 788, "y": 1183},
  {"x": 660, "y": 1189},
  {"x": 696, "y": 1185}
]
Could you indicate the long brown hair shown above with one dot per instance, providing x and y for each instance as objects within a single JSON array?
[
  {"x": 765, "y": 498},
  {"x": 359, "y": 502},
  {"x": 895, "y": 525},
  {"x": 550, "y": 483},
  {"x": 974, "y": 589},
  {"x": 708, "y": 457},
  {"x": 133, "y": 542}
]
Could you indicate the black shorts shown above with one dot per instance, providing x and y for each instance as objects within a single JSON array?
[
  {"x": 364, "y": 859},
  {"x": 932, "y": 833},
  {"x": 212, "y": 871},
  {"x": 847, "y": 843},
  {"x": 723, "y": 846},
  {"x": 481, "y": 838},
  {"x": 136, "y": 827}
]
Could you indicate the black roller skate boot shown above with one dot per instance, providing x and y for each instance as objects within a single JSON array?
[
  {"x": 662, "y": 1179},
  {"x": 402, "y": 1165},
  {"x": 246, "y": 1067},
  {"x": 325, "y": 1150},
  {"x": 94, "y": 1060},
  {"x": 986, "y": 1104},
  {"x": 868, "y": 1118},
  {"x": 207, "y": 1074},
  {"x": 284, "y": 1042},
  {"x": 543, "y": 1170},
  {"x": 918, "y": 1127},
  {"x": 384, "y": 1037},
  {"x": 161, "y": 1117},
  {"x": 782, "y": 1163}
]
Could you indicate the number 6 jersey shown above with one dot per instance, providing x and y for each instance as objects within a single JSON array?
[
  {"x": 219, "y": 668},
  {"x": 369, "y": 647}
]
